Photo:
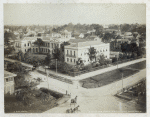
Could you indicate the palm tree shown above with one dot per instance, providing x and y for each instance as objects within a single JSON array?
[
  {"x": 92, "y": 53},
  {"x": 39, "y": 42}
]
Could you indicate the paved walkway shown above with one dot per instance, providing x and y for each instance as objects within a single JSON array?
[
  {"x": 93, "y": 73},
  {"x": 102, "y": 99}
]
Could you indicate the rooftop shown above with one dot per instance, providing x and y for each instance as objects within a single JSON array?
[
  {"x": 8, "y": 74},
  {"x": 83, "y": 42},
  {"x": 127, "y": 33},
  {"x": 29, "y": 38}
]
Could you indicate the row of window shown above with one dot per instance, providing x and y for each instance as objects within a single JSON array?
[
  {"x": 71, "y": 60},
  {"x": 9, "y": 79},
  {"x": 17, "y": 44},
  {"x": 42, "y": 50},
  {"x": 25, "y": 44},
  {"x": 72, "y": 54}
]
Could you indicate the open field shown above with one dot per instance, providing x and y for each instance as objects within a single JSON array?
[{"x": 111, "y": 76}]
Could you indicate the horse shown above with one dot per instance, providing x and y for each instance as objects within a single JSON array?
[
  {"x": 69, "y": 111},
  {"x": 76, "y": 108},
  {"x": 73, "y": 101}
]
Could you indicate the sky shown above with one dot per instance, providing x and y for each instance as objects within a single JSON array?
[{"x": 59, "y": 14}]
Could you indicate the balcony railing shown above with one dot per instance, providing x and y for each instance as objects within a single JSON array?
[{"x": 70, "y": 55}]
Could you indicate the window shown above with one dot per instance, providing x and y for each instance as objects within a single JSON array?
[
  {"x": 46, "y": 50},
  {"x": 28, "y": 44},
  {"x": 74, "y": 53},
  {"x": 33, "y": 50},
  {"x": 52, "y": 45},
  {"x": 48, "y": 44},
  {"x": 67, "y": 52},
  {"x": 25, "y": 45},
  {"x": 36, "y": 50},
  {"x": 70, "y": 52},
  {"x": 25, "y": 50},
  {"x": 6, "y": 79},
  {"x": 67, "y": 59},
  {"x": 74, "y": 60},
  {"x": 106, "y": 49},
  {"x": 71, "y": 60}
]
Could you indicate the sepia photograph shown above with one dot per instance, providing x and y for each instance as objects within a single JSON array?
[{"x": 74, "y": 58}]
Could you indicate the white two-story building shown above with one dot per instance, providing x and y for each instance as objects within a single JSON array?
[{"x": 79, "y": 48}]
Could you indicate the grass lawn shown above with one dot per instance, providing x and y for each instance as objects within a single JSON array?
[
  {"x": 140, "y": 65},
  {"x": 111, "y": 76}
]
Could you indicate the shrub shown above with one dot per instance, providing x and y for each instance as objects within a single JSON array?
[
  {"x": 53, "y": 93},
  {"x": 88, "y": 67},
  {"x": 108, "y": 61},
  {"x": 94, "y": 64}
]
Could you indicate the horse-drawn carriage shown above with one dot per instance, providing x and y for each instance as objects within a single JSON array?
[{"x": 73, "y": 101}]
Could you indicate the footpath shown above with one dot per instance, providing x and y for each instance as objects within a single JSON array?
[{"x": 93, "y": 73}]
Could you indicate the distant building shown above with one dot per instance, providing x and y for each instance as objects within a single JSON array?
[
  {"x": 128, "y": 35},
  {"x": 9, "y": 82},
  {"x": 27, "y": 44},
  {"x": 65, "y": 34},
  {"x": 24, "y": 44},
  {"x": 81, "y": 35},
  {"x": 79, "y": 48},
  {"x": 56, "y": 35}
]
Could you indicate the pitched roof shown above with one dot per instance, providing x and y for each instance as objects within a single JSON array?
[{"x": 8, "y": 74}]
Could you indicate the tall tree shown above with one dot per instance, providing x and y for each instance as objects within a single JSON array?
[
  {"x": 63, "y": 45},
  {"x": 48, "y": 59},
  {"x": 39, "y": 42},
  {"x": 56, "y": 53},
  {"x": 80, "y": 63},
  {"x": 107, "y": 37},
  {"x": 92, "y": 53}
]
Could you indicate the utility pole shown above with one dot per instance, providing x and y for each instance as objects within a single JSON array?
[
  {"x": 56, "y": 66},
  {"x": 47, "y": 80},
  {"x": 122, "y": 82}
]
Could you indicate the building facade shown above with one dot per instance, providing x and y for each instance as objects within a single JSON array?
[
  {"x": 9, "y": 82},
  {"x": 50, "y": 43},
  {"x": 79, "y": 48}
]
